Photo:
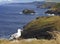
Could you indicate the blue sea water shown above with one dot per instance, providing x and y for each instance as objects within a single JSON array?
[{"x": 11, "y": 19}]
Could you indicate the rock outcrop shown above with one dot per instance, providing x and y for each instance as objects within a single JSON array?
[
  {"x": 28, "y": 11},
  {"x": 54, "y": 10}
]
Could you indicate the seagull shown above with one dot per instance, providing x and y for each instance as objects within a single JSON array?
[{"x": 16, "y": 35}]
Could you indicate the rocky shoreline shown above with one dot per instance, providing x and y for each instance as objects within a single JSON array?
[{"x": 54, "y": 10}]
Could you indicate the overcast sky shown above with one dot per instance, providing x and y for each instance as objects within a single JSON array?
[
  {"x": 19, "y": 0},
  {"x": 3, "y": 1}
]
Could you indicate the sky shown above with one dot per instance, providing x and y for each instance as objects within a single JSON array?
[
  {"x": 23, "y": 1},
  {"x": 18, "y": 0}
]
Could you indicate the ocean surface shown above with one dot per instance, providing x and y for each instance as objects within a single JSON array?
[{"x": 11, "y": 19}]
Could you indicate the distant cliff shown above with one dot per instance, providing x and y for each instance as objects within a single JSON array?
[
  {"x": 46, "y": 5},
  {"x": 56, "y": 7}
]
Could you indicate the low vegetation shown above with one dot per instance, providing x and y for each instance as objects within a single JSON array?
[
  {"x": 42, "y": 22},
  {"x": 56, "y": 7},
  {"x": 46, "y": 5},
  {"x": 29, "y": 42}
]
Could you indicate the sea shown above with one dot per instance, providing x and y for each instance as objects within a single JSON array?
[{"x": 12, "y": 18}]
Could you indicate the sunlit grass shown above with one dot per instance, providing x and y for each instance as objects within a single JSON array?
[
  {"x": 42, "y": 41},
  {"x": 42, "y": 22}
]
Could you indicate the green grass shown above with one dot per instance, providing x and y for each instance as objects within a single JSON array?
[
  {"x": 56, "y": 7},
  {"x": 44, "y": 22}
]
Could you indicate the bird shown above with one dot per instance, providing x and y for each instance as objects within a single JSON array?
[{"x": 16, "y": 35}]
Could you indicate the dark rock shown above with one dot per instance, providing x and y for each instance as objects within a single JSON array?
[
  {"x": 50, "y": 12},
  {"x": 28, "y": 11},
  {"x": 53, "y": 12},
  {"x": 39, "y": 34}
]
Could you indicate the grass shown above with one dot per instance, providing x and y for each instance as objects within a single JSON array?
[
  {"x": 34, "y": 41},
  {"x": 28, "y": 42},
  {"x": 42, "y": 22},
  {"x": 56, "y": 7}
]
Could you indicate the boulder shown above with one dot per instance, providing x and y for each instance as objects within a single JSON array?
[
  {"x": 28, "y": 11},
  {"x": 53, "y": 12}
]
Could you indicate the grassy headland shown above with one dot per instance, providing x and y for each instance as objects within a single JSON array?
[
  {"x": 37, "y": 28},
  {"x": 43, "y": 22}
]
